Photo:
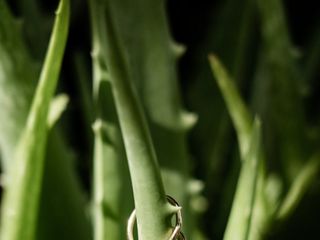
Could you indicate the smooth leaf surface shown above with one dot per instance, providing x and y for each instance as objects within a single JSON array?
[
  {"x": 153, "y": 56},
  {"x": 255, "y": 223},
  {"x": 112, "y": 195},
  {"x": 61, "y": 191},
  {"x": 240, "y": 115},
  {"x": 240, "y": 219},
  {"x": 151, "y": 206},
  {"x": 25, "y": 177},
  {"x": 299, "y": 187}
]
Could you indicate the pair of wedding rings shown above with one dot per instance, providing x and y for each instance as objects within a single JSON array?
[{"x": 176, "y": 233}]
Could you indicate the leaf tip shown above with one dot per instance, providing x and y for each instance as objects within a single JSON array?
[
  {"x": 63, "y": 6},
  {"x": 213, "y": 59}
]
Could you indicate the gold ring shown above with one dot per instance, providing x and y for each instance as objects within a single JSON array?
[{"x": 176, "y": 233}]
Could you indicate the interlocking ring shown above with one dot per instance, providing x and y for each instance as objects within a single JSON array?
[{"x": 176, "y": 233}]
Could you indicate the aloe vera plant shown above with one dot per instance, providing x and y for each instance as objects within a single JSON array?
[
  {"x": 25, "y": 176},
  {"x": 147, "y": 186},
  {"x": 60, "y": 187},
  {"x": 147, "y": 138},
  {"x": 111, "y": 192}
]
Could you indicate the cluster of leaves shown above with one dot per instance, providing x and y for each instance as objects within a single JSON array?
[{"x": 137, "y": 131}]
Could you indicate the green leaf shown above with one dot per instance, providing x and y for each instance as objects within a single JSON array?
[
  {"x": 61, "y": 192},
  {"x": 253, "y": 222},
  {"x": 241, "y": 117},
  {"x": 229, "y": 34},
  {"x": 21, "y": 200},
  {"x": 240, "y": 219},
  {"x": 112, "y": 195},
  {"x": 153, "y": 65},
  {"x": 299, "y": 187},
  {"x": 151, "y": 206}
]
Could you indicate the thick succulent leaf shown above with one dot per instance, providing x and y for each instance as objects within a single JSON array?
[
  {"x": 241, "y": 117},
  {"x": 150, "y": 202},
  {"x": 241, "y": 216},
  {"x": 18, "y": 78},
  {"x": 112, "y": 195},
  {"x": 260, "y": 214},
  {"x": 153, "y": 55},
  {"x": 112, "y": 200},
  {"x": 228, "y": 32},
  {"x": 25, "y": 176},
  {"x": 299, "y": 187}
]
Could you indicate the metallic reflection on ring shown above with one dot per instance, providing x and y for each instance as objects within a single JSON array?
[{"x": 176, "y": 233}]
